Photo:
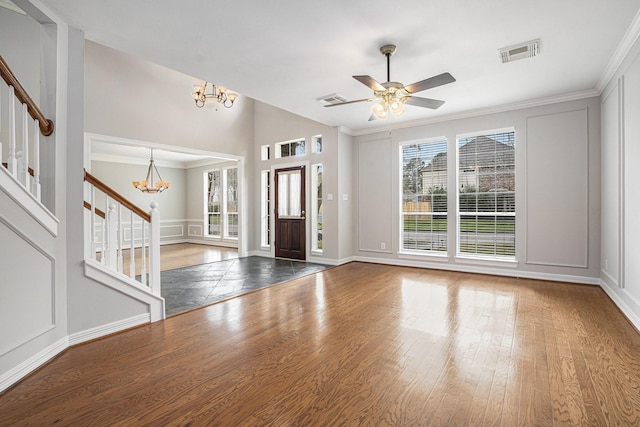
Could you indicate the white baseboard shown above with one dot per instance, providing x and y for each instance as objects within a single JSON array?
[
  {"x": 15, "y": 374},
  {"x": 212, "y": 243},
  {"x": 482, "y": 270},
  {"x": 110, "y": 328},
  {"x": 629, "y": 306}
]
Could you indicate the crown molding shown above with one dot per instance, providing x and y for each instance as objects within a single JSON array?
[
  {"x": 572, "y": 96},
  {"x": 111, "y": 158},
  {"x": 624, "y": 47}
]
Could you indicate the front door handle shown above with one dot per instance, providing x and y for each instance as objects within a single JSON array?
[{"x": 302, "y": 215}]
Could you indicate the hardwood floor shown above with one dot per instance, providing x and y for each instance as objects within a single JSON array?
[
  {"x": 359, "y": 344},
  {"x": 181, "y": 255}
]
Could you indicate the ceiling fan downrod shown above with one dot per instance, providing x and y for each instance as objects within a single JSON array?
[{"x": 388, "y": 50}]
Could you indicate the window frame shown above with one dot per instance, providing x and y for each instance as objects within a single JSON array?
[
  {"x": 315, "y": 200},
  {"x": 265, "y": 209},
  {"x": 498, "y": 259},
  {"x": 421, "y": 253},
  {"x": 225, "y": 206},
  {"x": 291, "y": 143},
  {"x": 207, "y": 213}
]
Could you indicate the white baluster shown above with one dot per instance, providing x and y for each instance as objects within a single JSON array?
[
  {"x": 143, "y": 260},
  {"x": 36, "y": 190},
  {"x": 12, "y": 163},
  {"x": 132, "y": 262},
  {"x": 111, "y": 256},
  {"x": 154, "y": 249},
  {"x": 93, "y": 222},
  {"x": 119, "y": 248},
  {"x": 104, "y": 232},
  {"x": 24, "y": 170}
]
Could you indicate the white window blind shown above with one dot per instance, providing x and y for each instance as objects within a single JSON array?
[
  {"x": 424, "y": 196},
  {"x": 486, "y": 195}
]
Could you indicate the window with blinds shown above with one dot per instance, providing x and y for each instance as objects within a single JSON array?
[
  {"x": 424, "y": 196},
  {"x": 486, "y": 195}
]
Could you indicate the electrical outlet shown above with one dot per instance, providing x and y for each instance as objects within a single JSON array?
[{"x": 383, "y": 245}]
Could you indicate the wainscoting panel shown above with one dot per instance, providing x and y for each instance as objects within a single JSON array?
[
  {"x": 557, "y": 196},
  {"x": 27, "y": 303}
]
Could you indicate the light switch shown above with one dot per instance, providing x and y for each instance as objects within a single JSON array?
[
  {"x": 345, "y": 197},
  {"x": 329, "y": 196}
]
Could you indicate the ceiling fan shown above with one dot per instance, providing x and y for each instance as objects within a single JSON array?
[{"x": 393, "y": 95}]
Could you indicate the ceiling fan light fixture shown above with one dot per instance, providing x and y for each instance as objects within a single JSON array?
[
  {"x": 380, "y": 109},
  {"x": 397, "y": 107}
]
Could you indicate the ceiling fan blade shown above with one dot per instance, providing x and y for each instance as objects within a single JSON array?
[
  {"x": 423, "y": 102},
  {"x": 369, "y": 82},
  {"x": 435, "y": 81},
  {"x": 350, "y": 102}
]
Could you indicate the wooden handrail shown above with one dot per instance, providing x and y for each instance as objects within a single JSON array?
[
  {"x": 46, "y": 125},
  {"x": 100, "y": 213},
  {"x": 30, "y": 169},
  {"x": 115, "y": 196}
]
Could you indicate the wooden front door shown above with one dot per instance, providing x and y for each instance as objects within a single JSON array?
[{"x": 290, "y": 218}]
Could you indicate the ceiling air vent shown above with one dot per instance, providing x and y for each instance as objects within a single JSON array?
[
  {"x": 334, "y": 98},
  {"x": 520, "y": 51}
]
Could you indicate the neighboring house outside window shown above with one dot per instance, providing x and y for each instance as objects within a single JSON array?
[{"x": 486, "y": 195}]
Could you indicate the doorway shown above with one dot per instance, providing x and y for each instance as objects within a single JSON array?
[{"x": 290, "y": 215}]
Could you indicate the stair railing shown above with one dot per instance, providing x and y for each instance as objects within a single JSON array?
[
  {"x": 18, "y": 160},
  {"x": 108, "y": 230}
]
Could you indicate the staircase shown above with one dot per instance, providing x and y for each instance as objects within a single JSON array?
[
  {"x": 113, "y": 226},
  {"x": 118, "y": 226}
]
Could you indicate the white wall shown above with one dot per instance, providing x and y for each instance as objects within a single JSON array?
[
  {"x": 620, "y": 177},
  {"x": 556, "y": 145}
]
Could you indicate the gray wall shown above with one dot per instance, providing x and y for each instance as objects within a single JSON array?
[
  {"x": 132, "y": 98},
  {"x": 557, "y": 187},
  {"x": 620, "y": 177},
  {"x": 273, "y": 125},
  {"x": 171, "y": 203}
]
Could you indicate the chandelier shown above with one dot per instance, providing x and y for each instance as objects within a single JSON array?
[
  {"x": 148, "y": 186},
  {"x": 218, "y": 93}
]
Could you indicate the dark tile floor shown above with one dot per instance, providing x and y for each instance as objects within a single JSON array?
[{"x": 191, "y": 287}]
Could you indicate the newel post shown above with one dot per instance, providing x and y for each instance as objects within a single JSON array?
[{"x": 154, "y": 249}]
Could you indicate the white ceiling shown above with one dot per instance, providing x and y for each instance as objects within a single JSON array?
[{"x": 287, "y": 53}]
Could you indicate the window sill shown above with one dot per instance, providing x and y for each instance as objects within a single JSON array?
[
  {"x": 493, "y": 262},
  {"x": 431, "y": 256}
]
